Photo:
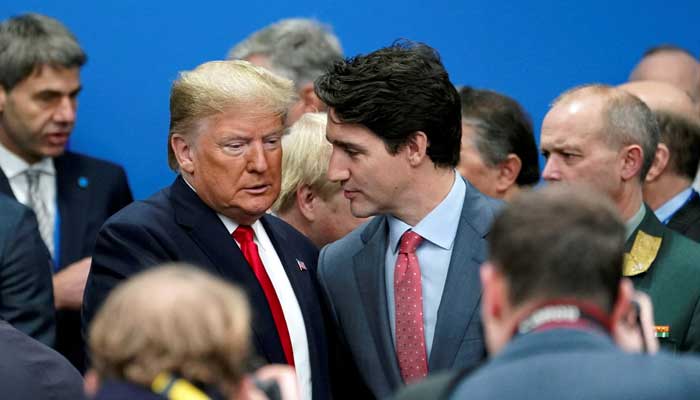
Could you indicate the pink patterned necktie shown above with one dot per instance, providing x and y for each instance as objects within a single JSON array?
[{"x": 408, "y": 301}]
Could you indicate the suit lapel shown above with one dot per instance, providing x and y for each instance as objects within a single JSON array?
[
  {"x": 73, "y": 202},
  {"x": 5, "y": 185},
  {"x": 226, "y": 259},
  {"x": 369, "y": 273}
]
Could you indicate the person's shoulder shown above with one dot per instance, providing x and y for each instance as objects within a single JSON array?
[
  {"x": 153, "y": 210},
  {"x": 479, "y": 210},
  {"x": 11, "y": 211},
  {"x": 354, "y": 241},
  {"x": 290, "y": 233},
  {"x": 679, "y": 249}
]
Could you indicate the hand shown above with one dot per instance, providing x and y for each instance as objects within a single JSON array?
[
  {"x": 69, "y": 285},
  {"x": 284, "y": 375},
  {"x": 635, "y": 332}
]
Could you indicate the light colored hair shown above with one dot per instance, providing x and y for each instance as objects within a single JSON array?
[
  {"x": 218, "y": 86},
  {"x": 300, "y": 49},
  {"x": 173, "y": 319},
  {"x": 626, "y": 120},
  {"x": 305, "y": 157}
]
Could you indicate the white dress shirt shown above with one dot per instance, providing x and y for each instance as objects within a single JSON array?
[{"x": 14, "y": 168}]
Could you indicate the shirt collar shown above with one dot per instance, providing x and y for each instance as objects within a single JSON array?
[
  {"x": 12, "y": 165},
  {"x": 670, "y": 207},
  {"x": 634, "y": 222},
  {"x": 440, "y": 225}
]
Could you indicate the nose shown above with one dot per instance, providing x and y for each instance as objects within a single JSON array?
[
  {"x": 257, "y": 158},
  {"x": 337, "y": 172},
  {"x": 551, "y": 171},
  {"x": 66, "y": 110}
]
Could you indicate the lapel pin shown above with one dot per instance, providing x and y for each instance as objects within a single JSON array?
[
  {"x": 83, "y": 182},
  {"x": 301, "y": 265}
]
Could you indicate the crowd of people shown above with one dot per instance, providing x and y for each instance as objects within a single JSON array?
[{"x": 351, "y": 228}]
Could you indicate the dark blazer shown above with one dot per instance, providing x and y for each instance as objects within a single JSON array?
[
  {"x": 26, "y": 293},
  {"x": 31, "y": 370},
  {"x": 673, "y": 283},
  {"x": 88, "y": 192},
  {"x": 351, "y": 273},
  {"x": 687, "y": 219},
  {"x": 576, "y": 364},
  {"x": 176, "y": 225}
]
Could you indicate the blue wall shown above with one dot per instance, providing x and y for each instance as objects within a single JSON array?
[{"x": 529, "y": 50}]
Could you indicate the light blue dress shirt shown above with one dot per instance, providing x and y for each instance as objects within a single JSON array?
[
  {"x": 666, "y": 211},
  {"x": 438, "y": 230}
]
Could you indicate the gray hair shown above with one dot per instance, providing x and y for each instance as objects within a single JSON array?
[
  {"x": 299, "y": 49},
  {"x": 31, "y": 40}
]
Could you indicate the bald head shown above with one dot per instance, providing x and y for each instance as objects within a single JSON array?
[
  {"x": 673, "y": 66},
  {"x": 662, "y": 96}
]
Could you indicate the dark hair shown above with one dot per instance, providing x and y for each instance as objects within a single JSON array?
[
  {"x": 667, "y": 47},
  {"x": 682, "y": 137},
  {"x": 502, "y": 127},
  {"x": 395, "y": 92},
  {"x": 562, "y": 241},
  {"x": 31, "y": 40}
]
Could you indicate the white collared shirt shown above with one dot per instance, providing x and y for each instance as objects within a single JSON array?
[
  {"x": 288, "y": 301},
  {"x": 14, "y": 168}
]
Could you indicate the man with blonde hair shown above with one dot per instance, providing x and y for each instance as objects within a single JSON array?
[
  {"x": 308, "y": 200},
  {"x": 226, "y": 124}
]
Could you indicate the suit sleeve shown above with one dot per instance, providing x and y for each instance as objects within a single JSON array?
[
  {"x": 26, "y": 290},
  {"x": 121, "y": 193},
  {"x": 121, "y": 250}
]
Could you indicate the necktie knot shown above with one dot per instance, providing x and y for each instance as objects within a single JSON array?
[
  {"x": 409, "y": 242},
  {"x": 32, "y": 177},
  {"x": 243, "y": 234}
]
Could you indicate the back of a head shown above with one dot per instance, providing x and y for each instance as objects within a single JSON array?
[
  {"x": 559, "y": 242},
  {"x": 671, "y": 64},
  {"x": 626, "y": 120},
  {"x": 502, "y": 127},
  {"x": 31, "y": 40},
  {"x": 299, "y": 49},
  {"x": 218, "y": 86},
  {"x": 306, "y": 153},
  {"x": 397, "y": 91},
  {"x": 174, "y": 319}
]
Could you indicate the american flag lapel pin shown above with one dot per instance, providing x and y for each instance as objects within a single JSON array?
[{"x": 301, "y": 265}]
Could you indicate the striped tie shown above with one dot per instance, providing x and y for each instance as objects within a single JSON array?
[{"x": 36, "y": 203}]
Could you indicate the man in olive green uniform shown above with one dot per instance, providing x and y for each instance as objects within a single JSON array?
[{"x": 607, "y": 138}]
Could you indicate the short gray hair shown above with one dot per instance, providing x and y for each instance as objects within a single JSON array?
[
  {"x": 298, "y": 48},
  {"x": 31, "y": 40},
  {"x": 626, "y": 120}
]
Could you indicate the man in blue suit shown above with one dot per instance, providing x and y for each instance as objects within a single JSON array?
[
  {"x": 225, "y": 141},
  {"x": 71, "y": 194},
  {"x": 391, "y": 286},
  {"x": 26, "y": 296}
]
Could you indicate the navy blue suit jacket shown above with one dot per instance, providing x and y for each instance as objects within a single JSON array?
[
  {"x": 26, "y": 293},
  {"x": 351, "y": 273},
  {"x": 577, "y": 364},
  {"x": 176, "y": 225},
  {"x": 88, "y": 191}
]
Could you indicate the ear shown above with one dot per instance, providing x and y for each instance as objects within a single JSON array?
[
  {"x": 632, "y": 160},
  {"x": 3, "y": 98},
  {"x": 311, "y": 102},
  {"x": 623, "y": 303},
  {"x": 492, "y": 291},
  {"x": 306, "y": 202},
  {"x": 658, "y": 166},
  {"x": 508, "y": 172},
  {"x": 417, "y": 148},
  {"x": 183, "y": 152}
]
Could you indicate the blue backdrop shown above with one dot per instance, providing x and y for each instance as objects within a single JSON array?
[{"x": 530, "y": 50}]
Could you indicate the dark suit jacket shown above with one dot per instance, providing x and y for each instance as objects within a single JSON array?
[
  {"x": 576, "y": 364},
  {"x": 26, "y": 293},
  {"x": 687, "y": 219},
  {"x": 351, "y": 273},
  {"x": 673, "y": 283},
  {"x": 88, "y": 192},
  {"x": 175, "y": 225},
  {"x": 31, "y": 370}
]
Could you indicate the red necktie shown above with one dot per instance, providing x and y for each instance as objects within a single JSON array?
[
  {"x": 408, "y": 302},
  {"x": 244, "y": 236}
]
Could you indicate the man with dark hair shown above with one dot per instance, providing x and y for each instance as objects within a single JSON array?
[
  {"x": 607, "y": 138},
  {"x": 299, "y": 49},
  {"x": 671, "y": 64},
  {"x": 553, "y": 312},
  {"x": 667, "y": 188},
  {"x": 392, "y": 284},
  {"x": 498, "y": 154},
  {"x": 71, "y": 194}
]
